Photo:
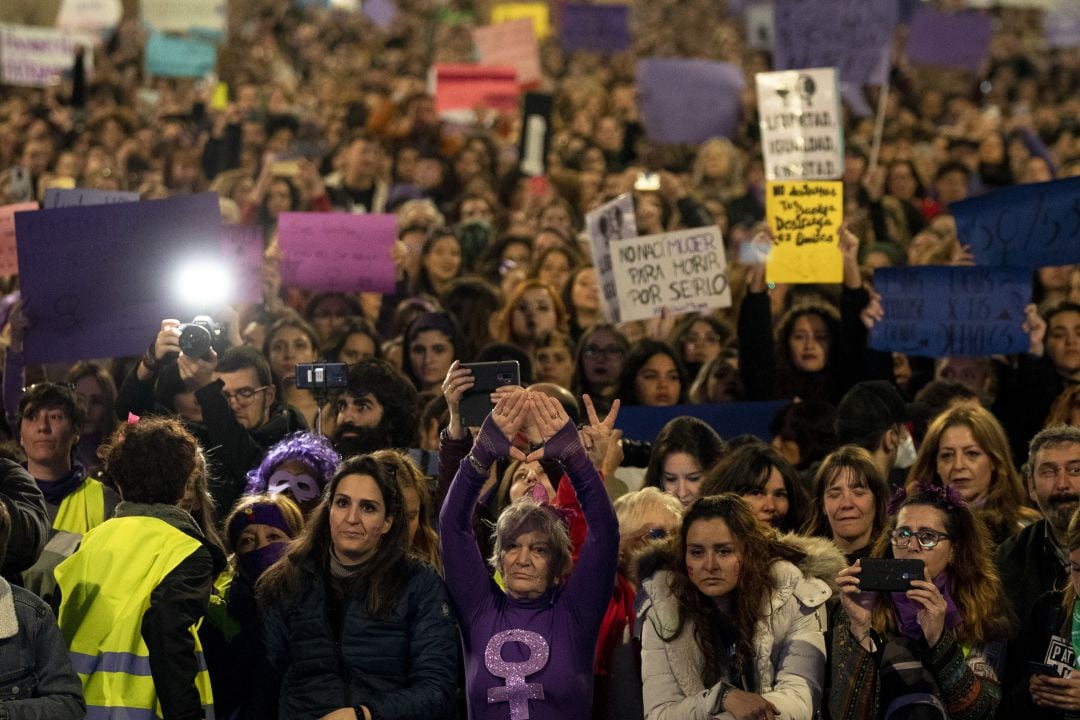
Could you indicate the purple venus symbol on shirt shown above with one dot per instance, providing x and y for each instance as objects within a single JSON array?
[{"x": 516, "y": 691}]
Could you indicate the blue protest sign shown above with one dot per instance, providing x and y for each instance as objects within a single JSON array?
[
  {"x": 99, "y": 279},
  {"x": 854, "y": 36},
  {"x": 728, "y": 419},
  {"x": 79, "y": 197},
  {"x": 943, "y": 311},
  {"x": 1031, "y": 226},
  {"x": 177, "y": 57},
  {"x": 949, "y": 39},
  {"x": 602, "y": 28},
  {"x": 688, "y": 101}
]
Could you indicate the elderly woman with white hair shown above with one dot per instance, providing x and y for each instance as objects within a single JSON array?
[{"x": 529, "y": 649}]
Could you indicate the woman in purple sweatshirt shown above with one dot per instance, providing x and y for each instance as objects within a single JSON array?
[{"x": 529, "y": 649}]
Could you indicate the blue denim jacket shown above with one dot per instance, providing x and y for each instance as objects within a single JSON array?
[{"x": 36, "y": 677}]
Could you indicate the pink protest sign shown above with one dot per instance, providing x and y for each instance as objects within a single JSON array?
[
  {"x": 242, "y": 247},
  {"x": 337, "y": 251},
  {"x": 463, "y": 87},
  {"x": 9, "y": 259},
  {"x": 510, "y": 44}
]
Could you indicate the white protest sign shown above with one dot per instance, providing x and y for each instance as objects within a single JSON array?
[
  {"x": 760, "y": 26},
  {"x": 92, "y": 16},
  {"x": 609, "y": 223},
  {"x": 801, "y": 132},
  {"x": 180, "y": 17},
  {"x": 38, "y": 57},
  {"x": 683, "y": 271}
]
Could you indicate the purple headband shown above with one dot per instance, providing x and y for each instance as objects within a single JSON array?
[
  {"x": 947, "y": 496},
  {"x": 261, "y": 514}
]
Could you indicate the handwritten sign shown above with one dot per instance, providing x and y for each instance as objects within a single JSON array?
[
  {"x": 537, "y": 12},
  {"x": 683, "y": 271},
  {"x": 801, "y": 132},
  {"x": 607, "y": 225},
  {"x": 9, "y": 263},
  {"x": 337, "y": 251},
  {"x": 854, "y": 36},
  {"x": 459, "y": 89},
  {"x": 941, "y": 311},
  {"x": 600, "y": 28},
  {"x": 177, "y": 17},
  {"x": 78, "y": 197},
  {"x": 510, "y": 44},
  {"x": 1026, "y": 225},
  {"x": 688, "y": 101},
  {"x": 805, "y": 218},
  {"x": 949, "y": 39},
  {"x": 242, "y": 250},
  {"x": 168, "y": 56},
  {"x": 39, "y": 57},
  {"x": 100, "y": 278}
]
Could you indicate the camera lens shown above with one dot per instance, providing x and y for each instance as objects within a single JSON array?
[{"x": 195, "y": 341}]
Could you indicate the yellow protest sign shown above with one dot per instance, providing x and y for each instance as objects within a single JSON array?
[
  {"x": 536, "y": 11},
  {"x": 805, "y": 218},
  {"x": 220, "y": 100}
]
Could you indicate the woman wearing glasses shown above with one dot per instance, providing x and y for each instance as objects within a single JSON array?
[
  {"x": 600, "y": 356},
  {"x": 940, "y": 646}
]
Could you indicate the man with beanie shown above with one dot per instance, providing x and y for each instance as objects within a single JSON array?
[{"x": 872, "y": 415}]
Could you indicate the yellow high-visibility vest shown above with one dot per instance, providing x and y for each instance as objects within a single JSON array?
[
  {"x": 105, "y": 591},
  {"x": 82, "y": 510}
]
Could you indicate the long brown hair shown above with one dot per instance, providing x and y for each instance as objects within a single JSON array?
[
  {"x": 864, "y": 474},
  {"x": 758, "y": 547},
  {"x": 426, "y": 543}
]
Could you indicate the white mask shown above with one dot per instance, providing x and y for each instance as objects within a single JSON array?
[{"x": 906, "y": 453}]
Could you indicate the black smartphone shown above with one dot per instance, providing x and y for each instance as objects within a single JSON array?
[
  {"x": 889, "y": 574},
  {"x": 476, "y": 401},
  {"x": 1038, "y": 668}
]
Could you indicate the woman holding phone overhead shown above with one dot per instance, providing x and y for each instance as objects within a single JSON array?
[{"x": 937, "y": 648}]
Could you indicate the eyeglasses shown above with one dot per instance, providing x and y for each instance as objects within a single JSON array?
[
  {"x": 243, "y": 396},
  {"x": 611, "y": 353},
  {"x": 928, "y": 539}
]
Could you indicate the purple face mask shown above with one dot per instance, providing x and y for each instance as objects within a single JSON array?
[{"x": 303, "y": 487}]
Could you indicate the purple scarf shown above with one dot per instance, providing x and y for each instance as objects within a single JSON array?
[{"x": 907, "y": 610}]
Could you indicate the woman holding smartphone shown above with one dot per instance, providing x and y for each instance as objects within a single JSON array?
[{"x": 940, "y": 644}]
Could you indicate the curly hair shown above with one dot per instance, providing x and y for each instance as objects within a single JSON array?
[
  {"x": 313, "y": 450},
  {"x": 789, "y": 378},
  {"x": 152, "y": 460},
  {"x": 395, "y": 392}
]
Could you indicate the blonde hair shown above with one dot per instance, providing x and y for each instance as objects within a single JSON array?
[{"x": 631, "y": 507}]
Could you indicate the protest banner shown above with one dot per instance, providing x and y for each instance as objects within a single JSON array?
[
  {"x": 78, "y": 197},
  {"x": 181, "y": 17},
  {"x": 1029, "y": 226},
  {"x": 537, "y": 12},
  {"x": 607, "y": 225},
  {"x": 759, "y": 26},
  {"x": 728, "y": 419},
  {"x": 853, "y": 36},
  {"x": 93, "y": 17},
  {"x": 510, "y": 44},
  {"x": 949, "y": 39},
  {"x": 459, "y": 89},
  {"x": 1062, "y": 27},
  {"x": 688, "y": 101},
  {"x": 805, "y": 218},
  {"x": 179, "y": 57},
  {"x": 98, "y": 279},
  {"x": 599, "y": 28},
  {"x": 683, "y": 271},
  {"x": 39, "y": 57},
  {"x": 381, "y": 12},
  {"x": 944, "y": 311},
  {"x": 9, "y": 263},
  {"x": 242, "y": 249},
  {"x": 802, "y": 135},
  {"x": 338, "y": 252}
]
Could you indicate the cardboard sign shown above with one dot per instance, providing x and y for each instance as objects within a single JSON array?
[
  {"x": 9, "y": 263},
  {"x": 242, "y": 248},
  {"x": 802, "y": 134},
  {"x": 537, "y": 12},
  {"x": 78, "y": 197},
  {"x": 854, "y": 36},
  {"x": 178, "y": 57},
  {"x": 338, "y": 252},
  {"x": 688, "y": 101},
  {"x": 949, "y": 39},
  {"x": 728, "y": 419},
  {"x": 39, "y": 57},
  {"x": 942, "y": 311},
  {"x": 180, "y": 17},
  {"x": 99, "y": 279},
  {"x": 461, "y": 88},
  {"x": 607, "y": 225},
  {"x": 511, "y": 44},
  {"x": 683, "y": 271},
  {"x": 600, "y": 28},
  {"x": 1029, "y": 226},
  {"x": 805, "y": 218}
]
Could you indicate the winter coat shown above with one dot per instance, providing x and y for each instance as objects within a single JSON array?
[{"x": 789, "y": 642}]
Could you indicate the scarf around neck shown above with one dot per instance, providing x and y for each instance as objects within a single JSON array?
[{"x": 907, "y": 610}]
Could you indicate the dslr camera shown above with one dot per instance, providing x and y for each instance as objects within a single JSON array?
[{"x": 201, "y": 334}]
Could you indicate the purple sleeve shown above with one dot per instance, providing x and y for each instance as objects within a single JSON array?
[{"x": 467, "y": 578}]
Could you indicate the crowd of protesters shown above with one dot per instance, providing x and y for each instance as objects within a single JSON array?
[{"x": 196, "y": 537}]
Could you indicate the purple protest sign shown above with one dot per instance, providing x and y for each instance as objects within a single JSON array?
[
  {"x": 380, "y": 12},
  {"x": 854, "y": 36},
  {"x": 950, "y": 39},
  {"x": 99, "y": 279},
  {"x": 242, "y": 248},
  {"x": 338, "y": 251},
  {"x": 602, "y": 28},
  {"x": 688, "y": 101}
]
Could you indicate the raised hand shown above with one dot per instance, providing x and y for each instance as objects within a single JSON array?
[
  {"x": 548, "y": 417},
  {"x": 457, "y": 381},
  {"x": 858, "y": 605},
  {"x": 599, "y": 437},
  {"x": 931, "y": 616},
  {"x": 1035, "y": 327}
]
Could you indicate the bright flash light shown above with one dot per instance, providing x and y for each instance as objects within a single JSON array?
[{"x": 203, "y": 284}]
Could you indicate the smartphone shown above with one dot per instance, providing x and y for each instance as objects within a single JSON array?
[
  {"x": 322, "y": 376},
  {"x": 1038, "y": 668},
  {"x": 476, "y": 401},
  {"x": 890, "y": 574}
]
